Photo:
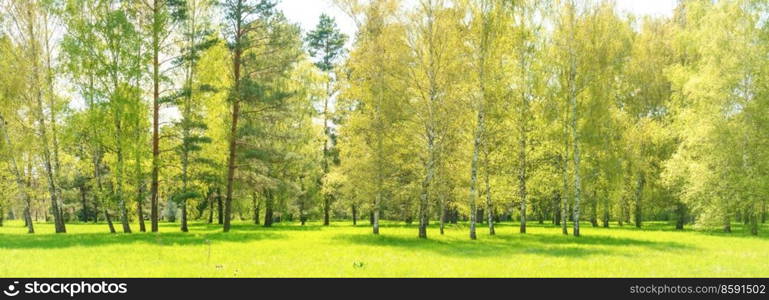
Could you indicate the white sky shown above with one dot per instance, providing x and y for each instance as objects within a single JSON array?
[
  {"x": 648, "y": 7},
  {"x": 307, "y": 12}
]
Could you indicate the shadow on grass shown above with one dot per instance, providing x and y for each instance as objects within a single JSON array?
[
  {"x": 50, "y": 241},
  {"x": 249, "y": 227},
  {"x": 466, "y": 248},
  {"x": 503, "y": 245},
  {"x": 739, "y": 230},
  {"x": 169, "y": 234}
]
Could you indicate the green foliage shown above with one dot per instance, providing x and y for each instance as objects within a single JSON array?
[
  {"x": 282, "y": 251},
  {"x": 326, "y": 43}
]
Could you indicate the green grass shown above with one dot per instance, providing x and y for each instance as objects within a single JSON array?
[{"x": 341, "y": 250}]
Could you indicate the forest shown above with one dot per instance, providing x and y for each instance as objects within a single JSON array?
[{"x": 131, "y": 114}]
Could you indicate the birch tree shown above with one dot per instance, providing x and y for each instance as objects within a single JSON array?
[
  {"x": 31, "y": 32},
  {"x": 326, "y": 43}
]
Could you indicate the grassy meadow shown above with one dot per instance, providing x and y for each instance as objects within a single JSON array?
[{"x": 343, "y": 250}]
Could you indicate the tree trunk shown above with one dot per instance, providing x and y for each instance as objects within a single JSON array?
[
  {"x": 109, "y": 221},
  {"x": 606, "y": 211},
  {"x": 231, "y": 163},
  {"x": 557, "y": 210},
  {"x": 41, "y": 122},
  {"x": 540, "y": 213},
  {"x": 210, "y": 199},
  {"x": 268, "y": 210},
  {"x": 638, "y": 196},
  {"x": 480, "y": 215},
  {"x": 575, "y": 138},
  {"x": 95, "y": 210},
  {"x": 220, "y": 207},
  {"x": 140, "y": 211},
  {"x": 187, "y": 108},
  {"x": 52, "y": 116},
  {"x": 255, "y": 205},
  {"x": 442, "y": 217},
  {"x": 375, "y": 213},
  {"x": 185, "y": 165},
  {"x": 424, "y": 192},
  {"x": 233, "y": 144},
  {"x": 489, "y": 204},
  {"x": 184, "y": 216},
  {"x": 257, "y": 211},
  {"x": 155, "y": 117},
  {"x": 564, "y": 198},
  {"x": 522, "y": 169},
  {"x": 83, "y": 202},
  {"x": 354, "y": 215},
  {"x": 727, "y": 222},
  {"x": 119, "y": 182},
  {"x": 326, "y": 210},
  {"x": 302, "y": 199},
  {"x": 27, "y": 209},
  {"x": 22, "y": 186},
  {"x": 58, "y": 221},
  {"x": 326, "y": 151},
  {"x": 302, "y": 214},
  {"x": 96, "y": 156},
  {"x": 577, "y": 178},
  {"x": 626, "y": 211},
  {"x": 473, "y": 195},
  {"x": 140, "y": 192},
  {"x": 594, "y": 210},
  {"x": 681, "y": 215},
  {"x": 744, "y": 217},
  {"x": 564, "y": 164}
]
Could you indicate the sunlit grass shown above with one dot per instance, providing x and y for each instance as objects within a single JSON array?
[{"x": 342, "y": 250}]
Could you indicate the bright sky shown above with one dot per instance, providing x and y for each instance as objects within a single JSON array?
[
  {"x": 307, "y": 12},
  {"x": 648, "y": 7}
]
